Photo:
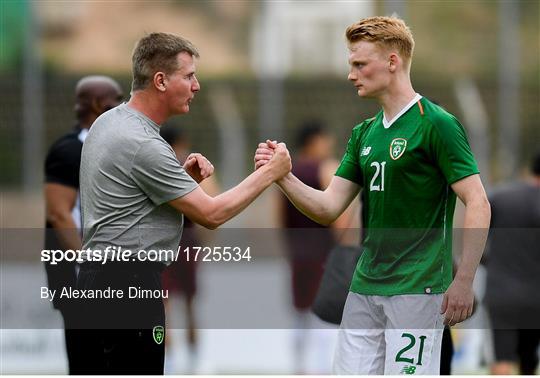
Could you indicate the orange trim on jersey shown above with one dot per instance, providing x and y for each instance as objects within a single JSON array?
[{"x": 421, "y": 108}]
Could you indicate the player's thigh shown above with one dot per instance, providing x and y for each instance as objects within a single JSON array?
[
  {"x": 413, "y": 351},
  {"x": 360, "y": 346},
  {"x": 413, "y": 334}
]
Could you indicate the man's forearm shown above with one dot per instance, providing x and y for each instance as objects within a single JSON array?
[
  {"x": 311, "y": 202},
  {"x": 66, "y": 231},
  {"x": 233, "y": 201}
]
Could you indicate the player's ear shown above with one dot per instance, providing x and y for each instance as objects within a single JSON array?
[
  {"x": 160, "y": 81},
  {"x": 393, "y": 61}
]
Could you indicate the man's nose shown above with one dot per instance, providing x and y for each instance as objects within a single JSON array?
[{"x": 196, "y": 85}]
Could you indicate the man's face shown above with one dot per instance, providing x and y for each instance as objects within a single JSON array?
[
  {"x": 368, "y": 69},
  {"x": 182, "y": 85}
]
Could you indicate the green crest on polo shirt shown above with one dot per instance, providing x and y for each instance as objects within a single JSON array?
[
  {"x": 397, "y": 148},
  {"x": 158, "y": 332}
]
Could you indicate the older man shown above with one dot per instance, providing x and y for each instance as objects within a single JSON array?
[{"x": 134, "y": 193}]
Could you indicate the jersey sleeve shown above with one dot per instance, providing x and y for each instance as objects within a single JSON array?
[
  {"x": 349, "y": 168},
  {"x": 63, "y": 162},
  {"x": 450, "y": 148},
  {"x": 158, "y": 173}
]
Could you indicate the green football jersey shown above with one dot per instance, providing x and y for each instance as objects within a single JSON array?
[{"x": 406, "y": 171}]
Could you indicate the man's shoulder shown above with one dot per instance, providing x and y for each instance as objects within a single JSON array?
[
  {"x": 436, "y": 115},
  {"x": 365, "y": 123},
  {"x": 118, "y": 115},
  {"x": 439, "y": 120},
  {"x": 361, "y": 128},
  {"x": 121, "y": 129}
]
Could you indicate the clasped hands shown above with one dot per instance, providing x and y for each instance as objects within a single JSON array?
[
  {"x": 271, "y": 153},
  {"x": 276, "y": 156}
]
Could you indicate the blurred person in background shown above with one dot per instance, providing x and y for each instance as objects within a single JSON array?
[
  {"x": 308, "y": 243},
  {"x": 513, "y": 274},
  {"x": 181, "y": 276},
  {"x": 94, "y": 95},
  {"x": 134, "y": 193},
  {"x": 412, "y": 160}
]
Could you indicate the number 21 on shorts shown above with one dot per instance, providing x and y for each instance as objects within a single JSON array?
[{"x": 409, "y": 354}]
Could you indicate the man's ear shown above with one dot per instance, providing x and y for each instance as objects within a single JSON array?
[
  {"x": 393, "y": 62},
  {"x": 160, "y": 81}
]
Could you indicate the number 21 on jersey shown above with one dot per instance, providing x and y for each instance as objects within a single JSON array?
[{"x": 377, "y": 181}]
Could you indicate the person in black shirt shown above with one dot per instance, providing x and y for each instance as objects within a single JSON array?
[
  {"x": 94, "y": 96},
  {"x": 513, "y": 266}
]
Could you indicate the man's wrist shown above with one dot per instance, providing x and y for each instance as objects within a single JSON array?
[
  {"x": 267, "y": 172},
  {"x": 467, "y": 278},
  {"x": 283, "y": 181}
]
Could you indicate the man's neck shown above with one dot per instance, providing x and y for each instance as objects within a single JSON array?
[
  {"x": 87, "y": 123},
  {"x": 148, "y": 105},
  {"x": 397, "y": 96}
]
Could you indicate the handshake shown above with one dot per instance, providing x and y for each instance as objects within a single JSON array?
[{"x": 275, "y": 157}]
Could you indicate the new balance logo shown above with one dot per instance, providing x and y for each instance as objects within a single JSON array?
[
  {"x": 365, "y": 151},
  {"x": 408, "y": 369}
]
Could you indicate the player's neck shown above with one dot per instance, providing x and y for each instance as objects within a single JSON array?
[
  {"x": 148, "y": 105},
  {"x": 396, "y": 97}
]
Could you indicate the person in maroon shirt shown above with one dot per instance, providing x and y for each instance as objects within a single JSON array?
[{"x": 308, "y": 243}]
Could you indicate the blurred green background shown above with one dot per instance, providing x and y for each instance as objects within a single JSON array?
[{"x": 456, "y": 41}]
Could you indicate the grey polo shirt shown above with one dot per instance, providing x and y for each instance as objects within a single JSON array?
[{"x": 128, "y": 174}]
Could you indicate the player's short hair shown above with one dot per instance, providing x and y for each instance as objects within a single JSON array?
[
  {"x": 157, "y": 52},
  {"x": 387, "y": 32},
  {"x": 535, "y": 166}
]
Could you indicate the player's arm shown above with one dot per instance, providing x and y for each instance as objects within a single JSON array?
[
  {"x": 322, "y": 206},
  {"x": 59, "y": 201},
  {"x": 345, "y": 227},
  {"x": 211, "y": 212},
  {"x": 458, "y": 299}
]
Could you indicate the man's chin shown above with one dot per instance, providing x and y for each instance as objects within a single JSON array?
[
  {"x": 363, "y": 94},
  {"x": 183, "y": 110}
]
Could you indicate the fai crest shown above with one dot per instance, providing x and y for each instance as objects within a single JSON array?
[
  {"x": 397, "y": 148},
  {"x": 158, "y": 332}
]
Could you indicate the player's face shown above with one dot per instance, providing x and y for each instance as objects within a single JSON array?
[
  {"x": 368, "y": 69},
  {"x": 182, "y": 85}
]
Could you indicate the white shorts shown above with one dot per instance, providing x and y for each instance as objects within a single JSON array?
[{"x": 399, "y": 334}]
